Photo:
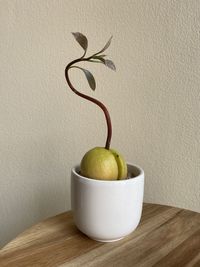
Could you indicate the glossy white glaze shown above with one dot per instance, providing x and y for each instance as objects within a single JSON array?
[{"x": 107, "y": 210}]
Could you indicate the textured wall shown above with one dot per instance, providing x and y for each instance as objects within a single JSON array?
[{"x": 154, "y": 100}]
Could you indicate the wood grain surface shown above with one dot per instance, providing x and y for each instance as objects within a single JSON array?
[{"x": 166, "y": 236}]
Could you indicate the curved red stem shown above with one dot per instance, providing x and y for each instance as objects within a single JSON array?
[{"x": 93, "y": 100}]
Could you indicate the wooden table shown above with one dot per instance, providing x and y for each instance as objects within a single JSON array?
[{"x": 166, "y": 236}]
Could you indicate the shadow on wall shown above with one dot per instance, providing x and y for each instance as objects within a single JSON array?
[{"x": 39, "y": 189}]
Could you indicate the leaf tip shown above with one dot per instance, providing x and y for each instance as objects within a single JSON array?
[
  {"x": 81, "y": 39},
  {"x": 110, "y": 64}
]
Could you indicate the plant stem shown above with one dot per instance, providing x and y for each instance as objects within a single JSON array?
[{"x": 95, "y": 101}]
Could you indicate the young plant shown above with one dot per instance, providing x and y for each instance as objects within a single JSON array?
[{"x": 100, "y": 162}]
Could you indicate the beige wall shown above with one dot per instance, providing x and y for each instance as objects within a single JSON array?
[{"x": 154, "y": 100}]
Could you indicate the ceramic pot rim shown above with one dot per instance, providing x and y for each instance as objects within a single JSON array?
[{"x": 139, "y": 175}]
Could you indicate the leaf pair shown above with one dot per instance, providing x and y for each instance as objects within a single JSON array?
[
  {"x": 97, "y": 57},
  {"x": 82, "y": 40}
]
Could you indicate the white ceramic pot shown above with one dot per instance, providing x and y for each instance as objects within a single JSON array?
[{"x": 107, "y": 211}]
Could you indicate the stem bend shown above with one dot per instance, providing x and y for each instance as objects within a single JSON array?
[{"x": 91, "y": 99}]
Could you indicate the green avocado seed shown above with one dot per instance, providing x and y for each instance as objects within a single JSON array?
[{"x": 103, "y": 164}]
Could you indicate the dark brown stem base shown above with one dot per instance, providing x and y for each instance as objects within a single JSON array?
[{"x": 93, "y": 100}]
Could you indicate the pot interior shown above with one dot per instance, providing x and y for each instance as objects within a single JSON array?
[{"x": 133, "y": 171}]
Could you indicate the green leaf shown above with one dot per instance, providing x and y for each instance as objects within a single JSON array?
[
  {"x": 81, "y": 39},
  {"x": 106, "y": 46},
  {"x": 110, "y": 64},
  {"x": 99, "y": 58},
  {"x": 90, "y": 78},
  {"x": 102, "y": 55}
]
